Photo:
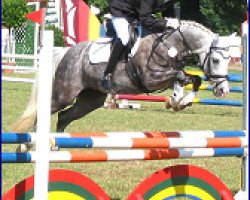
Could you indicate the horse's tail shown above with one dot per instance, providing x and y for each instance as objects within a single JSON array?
[{"x": 28, "y": 118}]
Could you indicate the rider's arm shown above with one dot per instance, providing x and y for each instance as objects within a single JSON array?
[{"x": 147, "y": 8}]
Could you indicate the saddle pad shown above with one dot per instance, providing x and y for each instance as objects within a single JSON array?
[{"x": 100, "y": 50}]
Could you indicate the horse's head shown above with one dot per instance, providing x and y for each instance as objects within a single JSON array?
[
  {"x": 213, "y": 52},
  {"x": 215, "y": 65}
]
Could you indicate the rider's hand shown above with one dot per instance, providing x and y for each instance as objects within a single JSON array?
[{"x": 172, "y": 23}]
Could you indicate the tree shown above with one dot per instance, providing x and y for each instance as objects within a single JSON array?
[
  {"x": 221, "y": 16},
  {"x": 224, "y": 16},
  {"x": 58, "y": 35},
  {"x": 190, "y": 10},
  {"x": 103, "y": 5},
  {"x": 13, "y": 14}
]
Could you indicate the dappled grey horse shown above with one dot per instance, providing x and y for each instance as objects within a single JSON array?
[{"x": 157, "y": 65}]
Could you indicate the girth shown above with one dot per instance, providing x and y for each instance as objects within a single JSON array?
[{"x": 135, "y": 75}]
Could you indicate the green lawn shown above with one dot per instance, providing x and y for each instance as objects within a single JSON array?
[{"x": 119, "y": 178}]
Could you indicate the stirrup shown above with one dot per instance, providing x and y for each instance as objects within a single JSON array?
[{"x": 106, "y": 83}]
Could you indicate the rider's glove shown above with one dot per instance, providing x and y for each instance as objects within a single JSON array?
[{"x": 172, "y": 23}]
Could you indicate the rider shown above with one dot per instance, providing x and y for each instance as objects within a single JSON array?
[{"x": 124, "y": 12}]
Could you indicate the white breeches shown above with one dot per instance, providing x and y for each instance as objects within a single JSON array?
[{"x": 121, "y": 27}]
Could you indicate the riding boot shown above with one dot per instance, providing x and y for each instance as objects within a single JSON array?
[{"x": 118, "y": 49}]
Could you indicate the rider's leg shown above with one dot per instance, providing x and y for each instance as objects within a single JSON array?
[
  {"x": 115, "y": 56},
  {"x": 121, "y": 27}
]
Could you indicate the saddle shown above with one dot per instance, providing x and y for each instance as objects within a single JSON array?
[{"x": 101, "y": 48}]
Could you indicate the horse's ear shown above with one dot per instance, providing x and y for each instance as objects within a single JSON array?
[{"x": 216, "y": 39}]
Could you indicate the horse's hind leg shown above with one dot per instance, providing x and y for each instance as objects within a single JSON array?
[{"x": 86, "y": 102}]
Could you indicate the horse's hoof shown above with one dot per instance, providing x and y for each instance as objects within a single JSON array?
[
  {"x": 168, "y": 105},
  {"x": 182, "y": 107},
  {"x": 189, "y": 104},
  {"x": 177, "y": 108}
]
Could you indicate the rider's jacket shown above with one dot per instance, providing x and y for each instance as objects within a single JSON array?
[{"x": 141, "y": 10}]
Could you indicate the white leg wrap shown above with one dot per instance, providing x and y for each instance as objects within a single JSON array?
[
  {"x": 189, "y": 98},
  {"x": 178, "y": 92}
]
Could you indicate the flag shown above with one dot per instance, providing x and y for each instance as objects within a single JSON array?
[{"x": 37, "y": 16}]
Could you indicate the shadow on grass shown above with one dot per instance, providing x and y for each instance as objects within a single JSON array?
[{"x": 198, "y": 111}]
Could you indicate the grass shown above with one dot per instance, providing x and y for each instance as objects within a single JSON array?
[{"x": 119, "y": 178}]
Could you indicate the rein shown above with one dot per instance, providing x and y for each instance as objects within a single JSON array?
[
  {"x": 157, "y": 41},
  {"x": 187, "y": 54}
]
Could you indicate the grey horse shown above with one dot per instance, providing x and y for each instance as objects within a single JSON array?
[{"x": 157, "y": 65}]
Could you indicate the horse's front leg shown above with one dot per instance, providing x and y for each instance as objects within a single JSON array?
[
  {"x": 174, "y": 100},
  {"x": 188, "y": 99},
  {"x": 178, "y": 101}
]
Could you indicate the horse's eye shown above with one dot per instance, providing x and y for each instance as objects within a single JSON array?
[{"x": 215, "y": 61}]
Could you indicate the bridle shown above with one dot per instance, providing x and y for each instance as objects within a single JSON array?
[
  {"x": 207, "y": 59},
  {"x": 190, "y": 53}
]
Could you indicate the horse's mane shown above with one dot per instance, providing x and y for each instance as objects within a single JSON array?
[{"x": 195, "y": 25}]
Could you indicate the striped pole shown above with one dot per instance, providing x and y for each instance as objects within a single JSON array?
[
  {"x": 123, "y": 155},
  {"x": 235, "y": 89},
  {"x": 141, "y": 97},
  {"x": 221, "y": 102},
  {"x": 20, "y": 138},
  {"x": 136, "y": 143},
  {"x": 231, "y": 77}
]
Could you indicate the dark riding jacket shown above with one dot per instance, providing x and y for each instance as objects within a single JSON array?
[{"x": 141, "y": 10}]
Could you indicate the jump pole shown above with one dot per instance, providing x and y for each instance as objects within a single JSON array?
[
  {"x": 136, "y": 143},
  {"x": 245, "y": 166},
  {"x": 235, "y": 89},
  {"x": 43, "y": 118},
  {"x": 17, "y": 138},
  {"x": 231, "y": 77},
  {"x": 124, "y": 155},
  {"x": 221, "y": 102}
]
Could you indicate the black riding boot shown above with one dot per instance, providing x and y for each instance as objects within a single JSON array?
[{"x": 118, "y": 49}]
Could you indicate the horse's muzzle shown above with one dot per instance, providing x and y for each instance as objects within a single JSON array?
[{"x": 221, "y": 88}]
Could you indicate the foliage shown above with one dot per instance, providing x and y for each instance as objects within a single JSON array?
[
  {"x": 58, "y": 35},
  {"x": 221, "y": 16},
  {"x": 103, "y": 5},
  {"x": 13, "y": 13}
]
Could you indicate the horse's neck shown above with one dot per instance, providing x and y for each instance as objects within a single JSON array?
[
  {"x": 198, "y": 36},
  {"x": 192, "y": 35}
]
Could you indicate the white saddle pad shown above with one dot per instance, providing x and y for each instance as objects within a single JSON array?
[{"x": 100, "y": 50}]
